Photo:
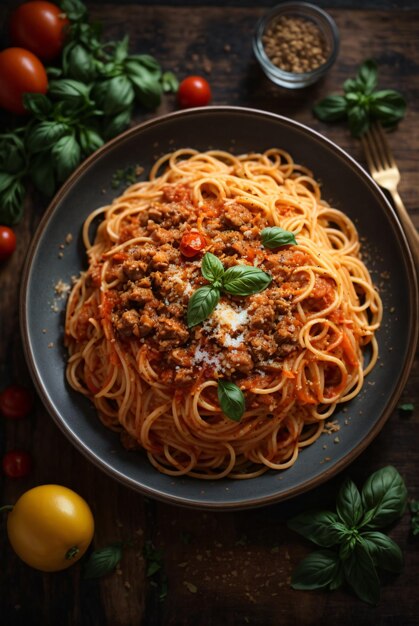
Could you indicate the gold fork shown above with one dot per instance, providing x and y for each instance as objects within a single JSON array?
[{"x": 385, "y": 172}]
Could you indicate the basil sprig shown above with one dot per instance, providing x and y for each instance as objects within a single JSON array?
[
  {"x": 239, "y": 280},
  {"x": 231, "y": 399},
  {"x": 352, "y": 546},
  {"x": 103, "y": 561},
  {"x": 90, "y": 99},
  {"x": 362, "y": 103},
  {"x": 275, "y": 237}
]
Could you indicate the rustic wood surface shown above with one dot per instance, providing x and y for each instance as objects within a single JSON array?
[{"x": 222, "y": 568}]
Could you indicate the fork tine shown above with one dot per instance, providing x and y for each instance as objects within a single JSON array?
[
  {"x": 383, "y": 143},
  {"x": 366, "y": 143},
  {"x": 375, "y": 149}
]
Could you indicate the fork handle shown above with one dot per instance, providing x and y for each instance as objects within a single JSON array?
[{"x": 408, "y": 226}]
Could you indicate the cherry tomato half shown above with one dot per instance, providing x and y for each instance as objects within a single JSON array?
[
  {"x": 50, "y": 527},
  {"x": 192, "y": 243},
  {"x": 39, "y": 27},
  {"x": 21, "y": 72},
  {"x": 194, "y": 91},
  {"x": 15, "y": 402},
  {"x": 17, "y": 463},
  {"x": 7, "y": 242}
]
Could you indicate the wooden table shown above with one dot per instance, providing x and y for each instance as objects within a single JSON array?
[{"x": 231, "y": 568}]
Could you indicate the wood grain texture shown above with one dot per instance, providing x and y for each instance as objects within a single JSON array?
[{"x": 232, "y": 568}]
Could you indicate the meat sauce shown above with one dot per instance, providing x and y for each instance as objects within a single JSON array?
[{"x": 245, "y": 337}]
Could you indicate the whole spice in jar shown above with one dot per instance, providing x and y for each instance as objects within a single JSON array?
[{"x": 295, "y": 44}]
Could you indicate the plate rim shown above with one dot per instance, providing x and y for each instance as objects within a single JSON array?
[{"x": 180, "y": 500}]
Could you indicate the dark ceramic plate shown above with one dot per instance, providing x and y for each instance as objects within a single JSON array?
[{"x": 345, "y": 184}]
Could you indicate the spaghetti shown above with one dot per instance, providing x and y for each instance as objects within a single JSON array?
[{"x": 295, "y": 350}]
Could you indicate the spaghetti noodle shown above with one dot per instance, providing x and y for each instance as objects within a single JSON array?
[{"x": 295, "y": 350}]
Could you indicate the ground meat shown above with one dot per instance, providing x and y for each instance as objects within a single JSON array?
[
  {"x": 262, "y": 346},
  {"x": 181, "y": 356},
  {"x": 236, "y": 216},
  {"x": 140, "y": 296},
  {"x": 240, "y": 361},
  {"x": 170, "y": 333},
  {"x": 147, "y": 323},
  {"x": 262, "y": 314},
  {"x": 128, "y": 323},
  {"x": 134, "y": 269}
]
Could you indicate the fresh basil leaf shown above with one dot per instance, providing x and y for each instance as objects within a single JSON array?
[
  {"x": 384, "y": 551},
  {"x": 358, "y": 120},
  {"x": 69, "y": 90},
  {"x": 169, "y": 82},
  {"x": 331, "y": 109},
  {"x": 148, "y": 90},
  {"x": 361, "y": 575},
  {"x": 79, "y": 63},
  {"x": 12, "y": 154},
  {"x": 115, "y": 125},
  {"x": 367, "y": 76},
  {"x": 12, "y": 195},
  {"x": 114, "y": 94},
  {"x": 74, "y": 9},
  {"x": 338, "y": 579},
  {"x": 231, "y": 399},
  {"x": 320, "y": 527},
  {"x": 245, "y": 280},
  {"x": 212, "y": 269},
  {"x": 54, "y": 72},
  {"x": 103, "y": 561},
  {"x": 38, "y": 104},
  {"x": 90, "y": 141},
  {"x": 349, "y": 504},
  {"x": 348, "y": 545},
  {"x": 41, "y": 171},
  {"x": 121, "y": 50},
  {"x": 406, "y": 407},
  {"x": 318, "y": 570},
  {"x": 44, "y": 135},
  {"x": 274, "y": 237},
  {"x": 414, "y": 520},
  {"x": 201, "y": 304},
  {"x": 152, "y": 568},
  {"x": 67, "y": 156},
  {"x": 384, "y": 497},
  {"x": 388, "y": 106},
  {"x": 147, "y": 61},
  {"x": 351, "y": 85}
]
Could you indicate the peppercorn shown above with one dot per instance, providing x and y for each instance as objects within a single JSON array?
[{"x": 295, "y": 44}]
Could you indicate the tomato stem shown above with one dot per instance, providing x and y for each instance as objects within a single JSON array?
[
  {"x": 72, "y": 552},
  {"x": 6, "y": 507}
]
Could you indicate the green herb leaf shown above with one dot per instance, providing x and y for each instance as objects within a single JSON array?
[
  {"x": 212, "y": 269},
  {"x": 407, "y": 407},
  {"x": 348, "y": 545},
  {"x": 115, "y": 125},
  {"x": 320, "y": 527},
  {"x": 12, "y": 194},
  {"x": 384, "y": 551},
  {"x": 318, "y": 570},
  {"x": 103, "y": 561},
  {"x": 121, "y": 50},
  {"x": 331, "y": 109},
  {"x": 367, "y": 76},
  {"x": 349, "y": 504},
  {"x": 74, "y": 9},
  {"x": 245, "y": 280},
  {"x": 414, "y": 521},
  {"x": 90, "y": 141},
  {"x": 274, "y": 237},
  {"x": 67, "y": 155},
  {"x": 69, "y": 90},
  {"x": 169, "y": 82},
  {"x": 361, "y": 575},
  {"x": 44, "y": 135},
  {"x": 41, "y": 171},
  {"x": 201, "y": 304},
  {"x": 12, "y": 155},
  {"x": 114, "y": 94},
  {"x": 38, "y": 104},
  {"x": 384, "y": 497},
  {"x": 79, "y": 63},
  {"x": 231, "y": 399},
  {"x": 358, "y": 120},
  {"x": 388, "y": 106}
]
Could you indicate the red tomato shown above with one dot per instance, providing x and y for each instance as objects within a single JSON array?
[
  {"x": 192, "y": 243},
  {"x": 7, "y": 242},
  {"x": 194, "y": 91},
  {"x": 17, "y": 464},
  {"x": 21, "y": 72},
  {"x": 39, "y": 27},
  {"x": 15, "y": 402}
]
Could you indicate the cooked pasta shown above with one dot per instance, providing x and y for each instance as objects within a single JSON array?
[{"x": 291, "y": 351}]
